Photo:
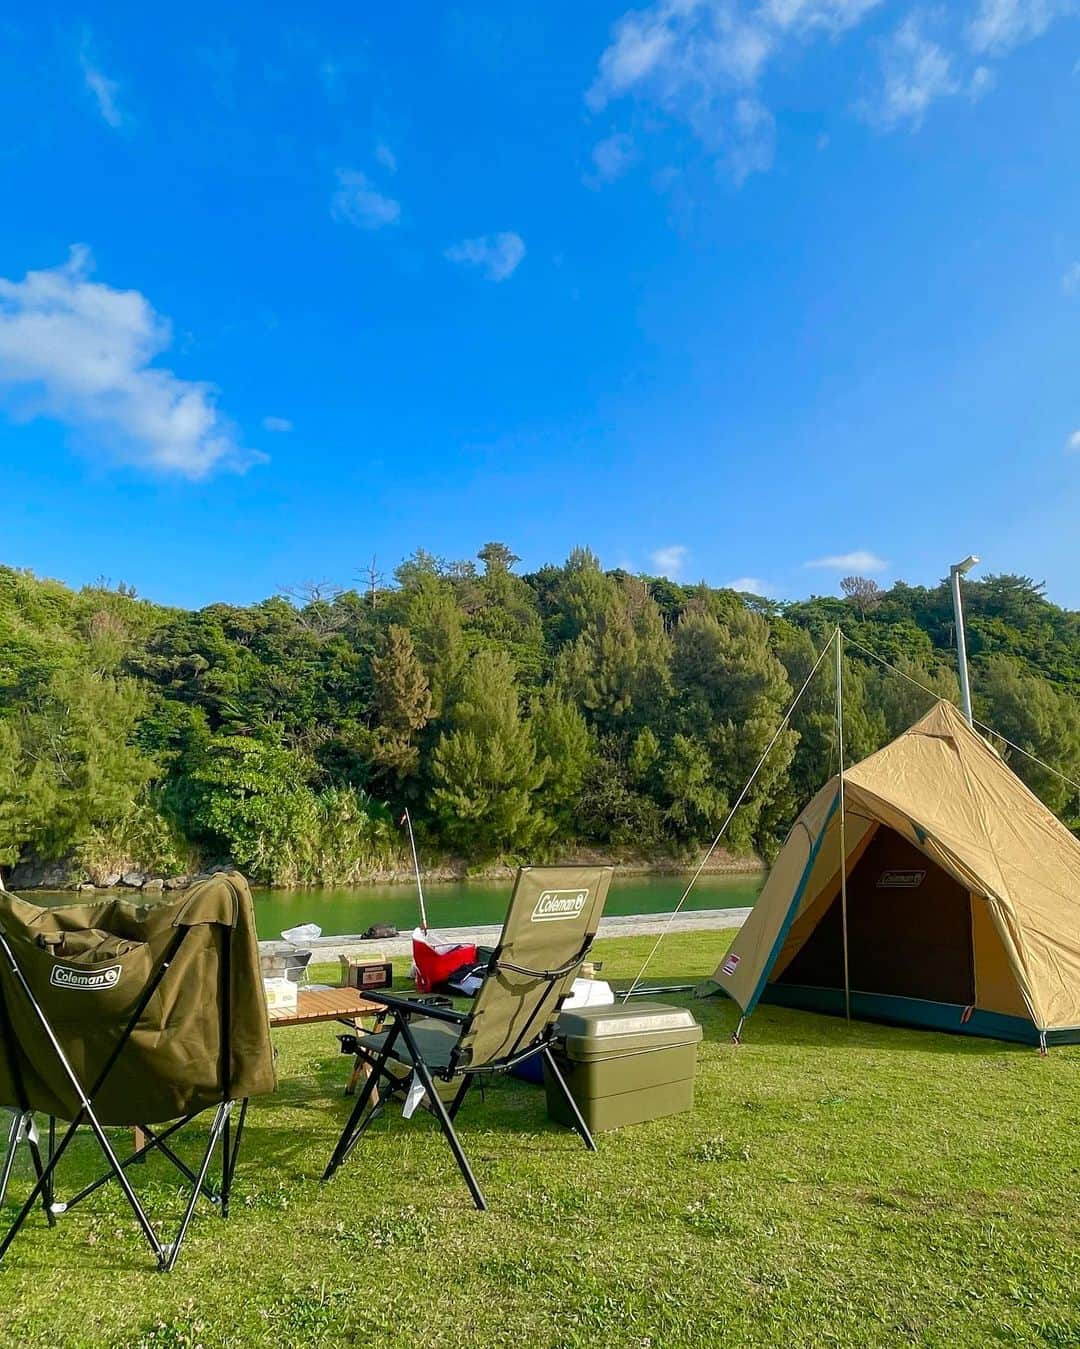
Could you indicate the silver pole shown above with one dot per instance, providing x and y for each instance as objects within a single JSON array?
[
  {"x": 955, "y": 572},
  {"x": 407, "y": 818},
  {"x": 843, "y": 821}
]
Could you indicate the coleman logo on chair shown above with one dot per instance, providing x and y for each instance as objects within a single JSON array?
[
  {"x": 93, "y": 981},
  {"x": 556, "y": 904},
  {"x": 901, "y": 880}
]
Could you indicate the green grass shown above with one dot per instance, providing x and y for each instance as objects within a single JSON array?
[{"x": 834, "y": 1185}]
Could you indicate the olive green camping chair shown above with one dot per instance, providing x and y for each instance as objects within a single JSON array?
[
  {"x": 140, "y": 1016},
  {"x": 550, "y": 925}
]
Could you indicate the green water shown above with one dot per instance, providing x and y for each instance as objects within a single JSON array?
[{"x": 471, "y": 903}]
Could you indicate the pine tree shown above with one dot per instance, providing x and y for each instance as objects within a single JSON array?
[
  {"x": 402, "y": 703},
  {"x": 565, "y": 751},
  {"x": 434, "y": 621},
  {"x": 484, "y": 769}
]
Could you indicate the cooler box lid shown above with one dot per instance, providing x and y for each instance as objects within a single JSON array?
[{"x": 626, "y": 1028}]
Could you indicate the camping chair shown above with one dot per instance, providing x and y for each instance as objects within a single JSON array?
[
  {"x": 142, "y": 1016},
  {"x": 549, "y": 928}
]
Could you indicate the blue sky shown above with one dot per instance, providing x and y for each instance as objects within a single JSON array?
[{"x": 721, "y": 289}]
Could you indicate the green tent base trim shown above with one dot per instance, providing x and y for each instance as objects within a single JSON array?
[{"x": 919, "y": 1012}]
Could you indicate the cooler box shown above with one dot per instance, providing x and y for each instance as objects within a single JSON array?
[
  {"x": 625, "y": 1064},
  {"x": 435, "y": 959}
]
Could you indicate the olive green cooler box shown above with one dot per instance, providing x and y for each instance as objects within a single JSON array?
[{"x": 625, "y": 1064}]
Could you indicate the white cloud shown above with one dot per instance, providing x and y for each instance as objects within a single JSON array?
[
  {"x": 103, "y": 89},
  {"x": 358, "y": 202},
  {"x": 496, "y": 255},
  {"x": 915, "y": 72},
  {"x": 858, "y": 561},
  {"x": 1000, "y": 25},
  {"x": 277, "y": 424},
  {"x": 701, "y": 63},
  {"x": 386, "y": 157},
  {"x": 1070, "y": 282},
  {"x": 80, "y": 352},
  {"x": 1073, "y": 443},
  {"x": 750, "y": 585},
  {"x": 612, "y": 157},
  {"x": 671, "y": 560}
]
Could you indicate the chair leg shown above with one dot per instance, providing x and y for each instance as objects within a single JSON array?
[
  {"x": 445, "y": 1122},
  {"x": 171, "y": 1250},
  {"x": 50, "y": 1194},
  {"x": 41, "y": 1186},
  {"x": 24, "y": 1129},
  {"x": 14, "y": 1133},
  {"x": 157, "y": 1144},
  {"x": 353, "y": 1128},
  {"x": 462, "y": 1092},
  {"x": 579, "y": 1123},
  {"x": 229, "y": 1157},
  {"x": 150, "y": 1143},
  {"x": 34, "y": 1147}
]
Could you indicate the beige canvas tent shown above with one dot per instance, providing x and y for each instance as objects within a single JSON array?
[{"x": 962, "y": 898}]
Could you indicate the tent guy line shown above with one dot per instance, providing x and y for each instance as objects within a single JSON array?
[
  {"x": 731, "y": 813},
  {"x": 982, "y": 725},
  {"x": 835, "y": 643}
]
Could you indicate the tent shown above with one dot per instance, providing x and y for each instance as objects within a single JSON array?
[{"x": 960, "y": 903}]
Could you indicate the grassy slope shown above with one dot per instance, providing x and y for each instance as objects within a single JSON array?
[{"x": 833, "y": 1185}]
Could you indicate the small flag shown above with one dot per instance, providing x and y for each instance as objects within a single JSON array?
[
  {"x": 404, "y": 817},
  {"x": 730, "y": 965}
]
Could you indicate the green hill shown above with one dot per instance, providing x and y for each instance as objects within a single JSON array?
[{"x": 515, "y": 715}]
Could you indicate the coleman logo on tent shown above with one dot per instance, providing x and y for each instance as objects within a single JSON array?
[
  {"x": 554, "y": 905},
  {"x": 901, "y": 880},
  {"x": 730, "y": 965},
  {"x": 93, "y": 981}
]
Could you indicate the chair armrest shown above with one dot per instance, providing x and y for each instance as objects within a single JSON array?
[{"x": 410, "y": 1007}]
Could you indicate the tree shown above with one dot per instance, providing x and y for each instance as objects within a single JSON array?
[
  {"x": 497, "y": 557},
  {"x": 75, "y": 767},
  {"x": 862, "y": 594},
  {"x": 565, "y": 751},
  {"x": 730, "y": 694},
  {"x": 484, "y": 769},
  {"x": 617, "y": 667},
  {"x": 251, "y": 802},
  {"x": 1042, "y": 722},
  {"x": 401, "y": 702},
  {"x": 434, "y": 622}
]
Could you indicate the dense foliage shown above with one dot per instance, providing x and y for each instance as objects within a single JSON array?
[{"x": 513, "y": 714}]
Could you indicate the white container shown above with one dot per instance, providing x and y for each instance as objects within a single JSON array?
[
  {"x": 589, "y": 993},
  {"x": 280, "y": 995}
]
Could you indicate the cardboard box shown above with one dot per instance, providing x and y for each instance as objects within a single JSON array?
[
  {"x": 280, "y": 995},
  {"x": 366, "y": 972}
]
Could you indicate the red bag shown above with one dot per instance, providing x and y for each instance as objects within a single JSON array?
[{"x": 435, "y": 959}]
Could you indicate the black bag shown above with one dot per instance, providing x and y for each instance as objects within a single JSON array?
[{"x": 380, "y": 931}]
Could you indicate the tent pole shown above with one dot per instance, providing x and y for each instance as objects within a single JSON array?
[{"x": 843, "y": 832}]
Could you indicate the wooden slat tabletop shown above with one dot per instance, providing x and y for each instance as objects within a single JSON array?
[{"x": 324, "y": 1004}]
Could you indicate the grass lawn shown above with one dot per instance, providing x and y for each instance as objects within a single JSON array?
[{"x": 833, "y": 1186}]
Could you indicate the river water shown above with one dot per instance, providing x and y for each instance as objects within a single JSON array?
[{"x": 471, "y": 903}]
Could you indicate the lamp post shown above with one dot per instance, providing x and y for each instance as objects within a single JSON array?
[{"x": 957, "y": 570}]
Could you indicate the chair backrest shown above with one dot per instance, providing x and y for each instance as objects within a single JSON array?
[
  {"x": 170, "y": 992},
  {"x": 553, "y": 916}
]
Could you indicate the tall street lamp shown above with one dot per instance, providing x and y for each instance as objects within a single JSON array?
[{"x": 955, "y": 572}]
